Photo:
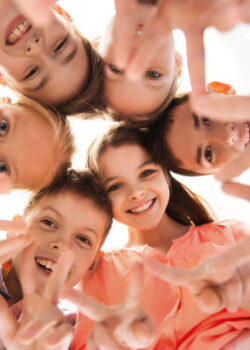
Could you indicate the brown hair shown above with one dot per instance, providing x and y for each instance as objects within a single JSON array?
[
  {"x": 184, "y": 206},
  {"x": 157, "y": 137},
  {"x": 89, "y": 100},
  {"x": 81, "y": 183},
  {"x": 64, "y": 145},
  {"x": 142, "y": 120}
]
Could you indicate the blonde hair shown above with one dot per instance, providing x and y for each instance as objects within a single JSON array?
[{"x": 64, "y": 146}]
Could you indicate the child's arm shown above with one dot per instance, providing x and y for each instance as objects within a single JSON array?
[
  {"x": 218, "y": 282},
  {"x": 51, "y": 329},
  {"x": 117, "y": 327}
]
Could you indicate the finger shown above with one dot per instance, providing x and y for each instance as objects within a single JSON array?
[
  {"x": 221, "y": 266},
  {"x": 196, "y": 62},
  {"x": 27, "y": 270},
  {"x": 8, "y": 323},
  {"x": 236, "y": 167},
  {"x": 61, "y": 337},
  {"x": 43, "y": 322},
  {"x": 221, "y": 107},
  {"x": 210, "y": 299},
  {"x": 134, "y": 291},
  {"x": 237, "y": 190},
  {"x": 58, "y": 277},
  {"x": 17, "y": 226},
  {"x": 169, "y": 274},
  {"x": 157, "y": 32},
  {"x": 233, "y": 292},
  {"x": 105, "y": 340},
  {"x": 90, "y": 307},
  {"x": 10, "y": 247},
  {"x": 124, "y": 31}
]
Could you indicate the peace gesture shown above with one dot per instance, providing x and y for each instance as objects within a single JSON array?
[
  {"x": 218, "y": 282},
  {"x": 42, "y": 324},
  {"x": 117, "y": 327}
]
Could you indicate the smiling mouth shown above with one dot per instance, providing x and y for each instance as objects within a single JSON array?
[
  {"x": 17, "y": 30},
  {"x": 142, "y": 208},
  {"x": 45, "y": 264}
]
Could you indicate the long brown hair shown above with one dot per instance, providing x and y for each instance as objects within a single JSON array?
[{"x": 184, "y": 206}]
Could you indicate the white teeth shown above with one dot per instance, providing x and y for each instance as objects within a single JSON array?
[
  {"x": 16, "y": 32},
  {"x": 247, "y": 133},
  {"x": 46, "y": 263},
  {"x": 142, "y": 207}
]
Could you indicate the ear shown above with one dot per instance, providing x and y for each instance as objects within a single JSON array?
[
  {"x": 96, "y": 42},
  {"x": 58, "y": 9},
  {"x": 93, "y": 266},
  {"x": 178, "y": 63},
  {"x": 220, "y": 88}
]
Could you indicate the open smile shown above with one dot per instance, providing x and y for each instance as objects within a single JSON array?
[
  {"x": 47, "y": 265},
  {"x": 144, "y": 208},
  {"x": 246, "y": 127},
  {"x": 17, "y": 29}
]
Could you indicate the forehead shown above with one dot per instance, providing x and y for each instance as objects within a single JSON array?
[
  {"x": 71, "y": 208},
  {"x": 141, "y": 97},
  {"x": 122, "y": 159}
]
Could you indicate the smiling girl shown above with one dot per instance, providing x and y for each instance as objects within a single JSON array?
[
  {"x": 52, "y": 63},
  {"x": 161, "y": 215}
]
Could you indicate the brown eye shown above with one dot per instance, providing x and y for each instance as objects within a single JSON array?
[
  {"x": 61, "y": 44},
  {"x": 152, "y": 74},
  {"x": 208, "y": 154},
  {"x": 31, "y": 73},
  {"x": 114, "y": 69},
  {"x": 4, "y": 168},
  {"x": 4, "y": 127},
  {"x": 205, "y": 121}
]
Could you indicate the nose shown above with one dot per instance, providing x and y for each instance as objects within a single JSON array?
[
  {"x": 224, "y": 133},
  {"x": 136, "y": 193},
  {"x": 33, "y": 46},
  {"x": 58, "y": 245}
]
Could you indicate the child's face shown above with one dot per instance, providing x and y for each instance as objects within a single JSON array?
[
  {"x": 203, "y": 145},
  {"x": 149, "y": 92},
  {"x": 41, "y": 60},
  {"x": 137, "y": 187},
  {"x": 60, "y": 221},
  {"x": 26, "y": 145}
]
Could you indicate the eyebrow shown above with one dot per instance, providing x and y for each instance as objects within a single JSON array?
[
  {"x": 196, "y": 121},
  {"x": 42, "y": 83},
  {"x": 139, "y": 167},
  {"x": 70, "y": 56}
]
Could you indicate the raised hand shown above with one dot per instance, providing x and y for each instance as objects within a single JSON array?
[
  {"x": 42, "y": 325},
  {"x": 117, "y": 327},
  {"x": 218, "y": 282}
]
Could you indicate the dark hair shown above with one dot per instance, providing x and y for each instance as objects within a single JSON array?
[
  {"x": 81, "y": 183},
  {"x": 157, "y": 137},
  {"x": 184, "y": 206}
]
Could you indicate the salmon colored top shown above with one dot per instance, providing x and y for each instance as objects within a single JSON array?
[{"x": 180, "y": 323}]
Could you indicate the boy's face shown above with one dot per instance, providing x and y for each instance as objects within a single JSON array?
[{"x": 60, "y": 221}]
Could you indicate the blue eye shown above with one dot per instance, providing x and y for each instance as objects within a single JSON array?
[
  {"x": 208, "y": 154},
  {"x": 84, "y": 240},
  {"x": 152, "y": 74},
  {"x": 114, "y": 69},
  {"x": 4, "y": 168},
  {"x": 147, "y": 172},
  {"x": 48, "y": 222},
  {"x": 114, "y": 187},
  {"x": 4, "y": 127}
]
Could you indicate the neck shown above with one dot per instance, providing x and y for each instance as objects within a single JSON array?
[
  {"x": 13, "y": 285},
  {"x": 160, "y": 237}
]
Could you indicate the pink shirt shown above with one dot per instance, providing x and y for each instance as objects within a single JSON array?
[{"x": 180, "y": 323}]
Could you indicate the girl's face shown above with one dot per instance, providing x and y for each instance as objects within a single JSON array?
[
  {"x": 65, "y": 221},
  {"x": 145, "y": 95},
  {"x": 203, "y": 145},
  {"x": 137, "y": 187},
  {"x": 27, "y": 146},
  {"x": 48, "y": 63}
]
